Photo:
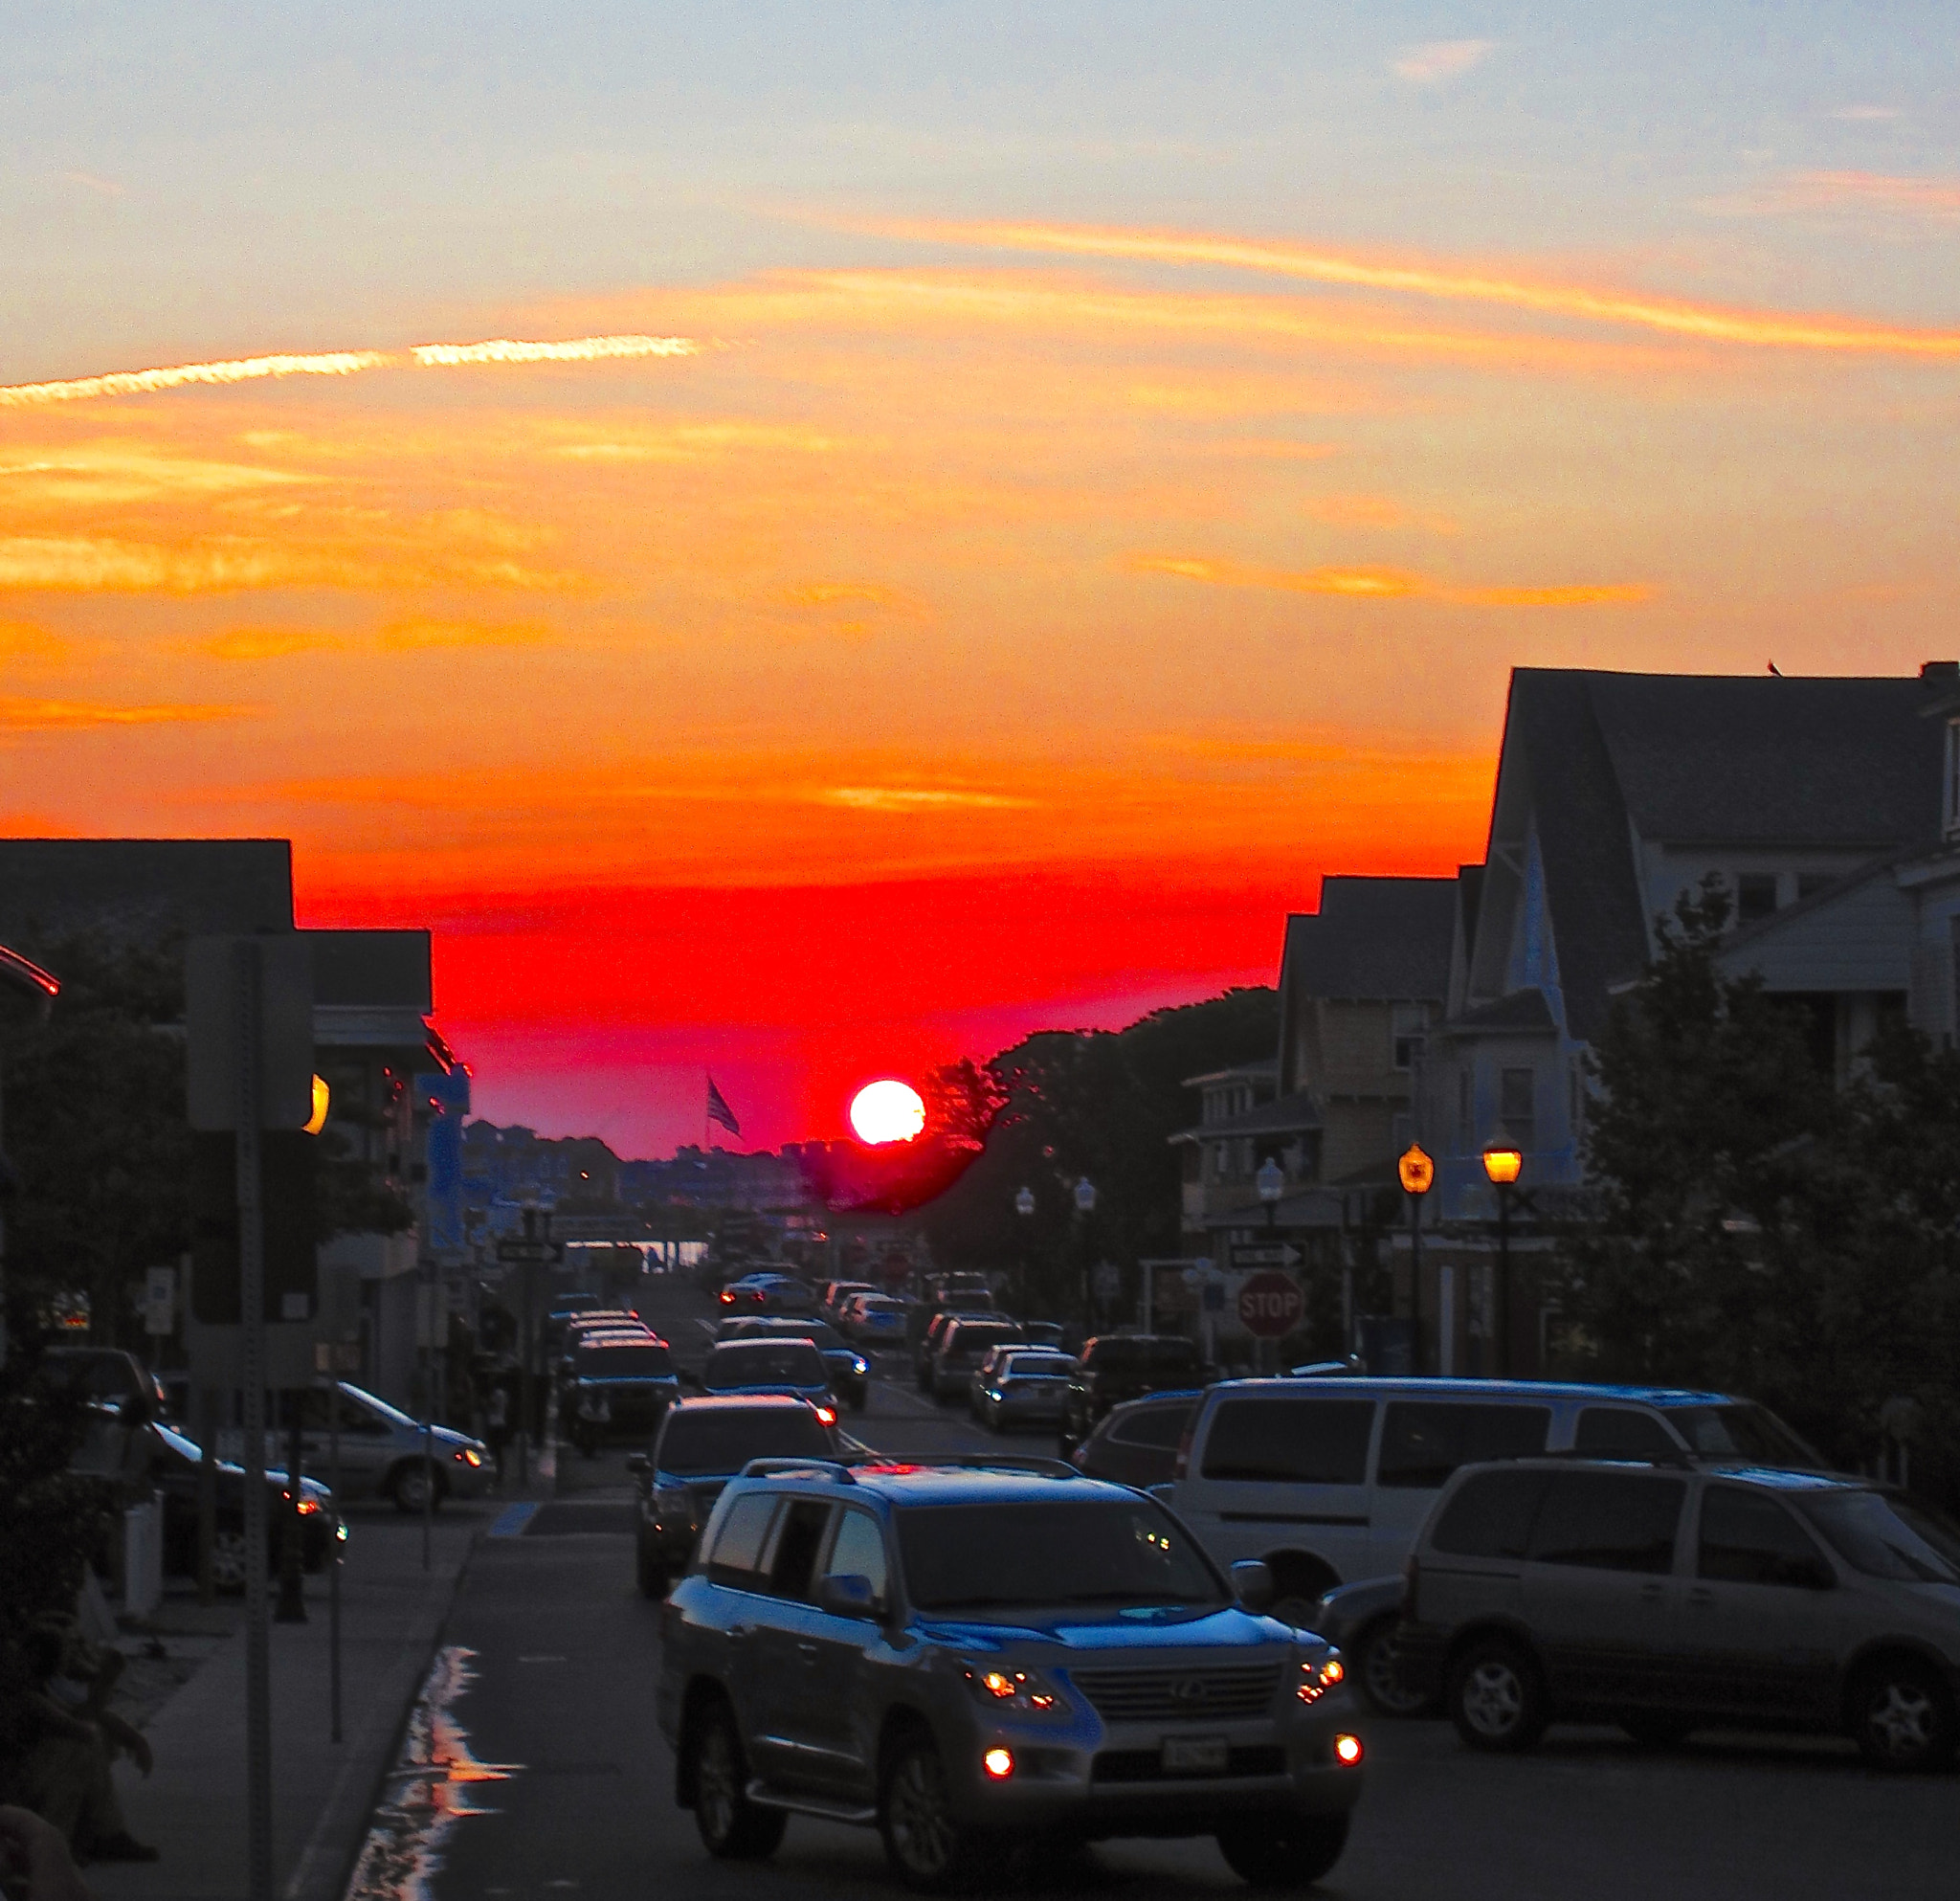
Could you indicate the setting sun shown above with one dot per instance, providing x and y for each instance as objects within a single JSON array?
[{"x": 887, "y": 1111}]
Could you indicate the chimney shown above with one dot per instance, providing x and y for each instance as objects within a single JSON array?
[{"x": 1940, "y": 673}]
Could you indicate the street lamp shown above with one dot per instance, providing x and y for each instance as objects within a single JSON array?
[
  {"x": 1415, "y": 1171},
  {"x": 1024, "y": 1203},
  {"x": 1085, "y": 1196},
  {"x": 1504, "y": 1164},
  {"x": 1024, "y": 1207},
  {"x": 1085, "y": 1206}
]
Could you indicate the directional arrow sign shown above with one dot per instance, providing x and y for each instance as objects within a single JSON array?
[
  {"x": 515, "y": 1253},
  {"x": 1265, "y": 1253}
]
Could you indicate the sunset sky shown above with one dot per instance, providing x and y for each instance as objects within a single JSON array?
[{"x": 1052, "y": 480}]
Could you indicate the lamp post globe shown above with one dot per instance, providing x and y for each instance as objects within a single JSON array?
[
  {"x": 1024, "y": 1202},
  {"x": 1271, "y": 1180},
  {"x": 1085, "y": 1196}
]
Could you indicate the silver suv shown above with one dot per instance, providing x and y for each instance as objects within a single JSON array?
[
  {"x": 1668, "y": 1600},
  {"x": 974, "y": 1657}
]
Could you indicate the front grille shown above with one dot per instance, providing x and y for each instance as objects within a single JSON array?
[
  {"x": 1146, "y": 1765},
  {"x": 1199, "y": 1693}
]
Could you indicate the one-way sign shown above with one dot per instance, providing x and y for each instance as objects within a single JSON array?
[
  {"x": 518, "y": 1252},
  {"x": 1265, "y": 1253}
]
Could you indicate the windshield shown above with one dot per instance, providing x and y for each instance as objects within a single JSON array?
[
  {"x": 1029, "y": 1555},
  {"x": 764, "y": 1363},
  {"x": 693, "y": 1444},
  {"x": 1885, "y": 1537},
  {"x": 625, "y": 1362},
  {"x": 381, "y": 1407},
  {"x": 1743, "y": 1432}
]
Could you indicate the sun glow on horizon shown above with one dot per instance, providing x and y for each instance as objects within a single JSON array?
[{"x": 887, "y": 1111}]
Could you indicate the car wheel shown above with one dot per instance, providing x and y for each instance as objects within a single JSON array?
[
  {"x": 228, "y": 1560},
  {"x": 1496, "y": 1698},
  {"x": 1377, "y": 1660},
  {"x": 1903, "y": 1716},
  {"x": 1283, "y": 1851},
  {"x": 412, "y": 1485},
  {"x": 732, "y": 1829},
  {"x": 652, "y": 1580},
  {"x": 927, "y": 1849},
  {"x": 1657, "y": 1729}
]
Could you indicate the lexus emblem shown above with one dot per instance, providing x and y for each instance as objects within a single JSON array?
[{"x": 1189, "y": 1689}]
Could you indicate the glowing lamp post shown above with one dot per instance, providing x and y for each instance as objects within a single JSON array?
[
  {"x": 1504, "y": 1165},
  {"x": 1415, "y": 1171}
]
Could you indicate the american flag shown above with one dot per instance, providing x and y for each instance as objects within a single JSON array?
[{"x": 720, "y": 1112}]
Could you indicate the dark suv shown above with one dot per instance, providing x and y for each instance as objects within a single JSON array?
[
  {"x": 1125, "y": 1366},
  {"x": 974, "y": 1656},
  {"x": 963, "y": 1346},
  {"x": 1674, "y": 1598}
]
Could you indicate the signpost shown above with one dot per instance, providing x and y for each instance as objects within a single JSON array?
[{"x": 1270, "y": 1305}]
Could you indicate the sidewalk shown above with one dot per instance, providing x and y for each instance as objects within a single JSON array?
[{"x": 193, "y": 1805}]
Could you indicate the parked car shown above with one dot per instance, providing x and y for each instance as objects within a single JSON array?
[
  {"x": 620, "y": 1384},
  {"x": 1012, "y": 1387},
  {"x": 966, "y": 1656},
  {"x": 382, "y": 1450},
  {"x": 175, "y": 1463},
  {"x": 925, "y": 1326},
  {"x": 701, "y": 1444},
  {"x": 1136, "y": 1444},
  {"x": 962, "y": 1345},
  {"x": 962, "y": 1291},
  {"x": 794, "y": 1367},
  {"x": 838, "y": 1295},
  {"x": 110, "y": 1378},
  {"x": 1668, "y": 1600},
  {"x": 1116, "y": 1367},
  {"x": 1330, "y": 1479},
  {"x": 846, "y": 1367},
  {"x": 873, "y": 1320}
]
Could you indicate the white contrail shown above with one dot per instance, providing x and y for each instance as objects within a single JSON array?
[{"x": 339, "y": 363}]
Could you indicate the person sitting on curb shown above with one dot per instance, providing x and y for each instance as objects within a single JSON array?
[{"x": 63, "y": 1777}]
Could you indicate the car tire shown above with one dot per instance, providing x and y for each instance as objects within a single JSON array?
[
  {"x": 1657, "y": 1729},
  {"x": 731, "y": 1827},
  {"x": 1902, "y": 1716},
  {"x": 1496, "y": 1697},
  {"x": 1376, "y": 1661},
  {"x": 929, "y": 1850},
  {"x": 406, "y": 1483},
  {"x": 652, "y": 1580},
  {"x": 1283, "y": 1851}
]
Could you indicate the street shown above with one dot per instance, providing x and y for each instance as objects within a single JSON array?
[{"x": 558, "y": 1783}]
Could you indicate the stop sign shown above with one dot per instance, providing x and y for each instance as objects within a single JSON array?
[{"x": 1270, "y": 1305}]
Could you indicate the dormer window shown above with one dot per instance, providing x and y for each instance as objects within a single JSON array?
[{"x": 1949, "y": 814}]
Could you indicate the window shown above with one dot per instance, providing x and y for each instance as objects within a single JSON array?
[
  {"x": 1290, "y": 1442},
  {"x": 1755, "y": 896},
  {"x": 737, "y": 1557},
  {"x": 1609, "y": 1521},
  {"x": 1160, "y": 1427},
  {"x": 859, "y": 1552},
  {"x": 1406, "y": 1022},
  {"x": 1423, "y": 1442},
  {"x": 1618, "y": 1432},
  {"x": 1492, "y": 1515},
  {"x": 799, "y": 1537},
  {"x": 1517, "y": 1103},
  {"x": 1750, "y": 1539}
]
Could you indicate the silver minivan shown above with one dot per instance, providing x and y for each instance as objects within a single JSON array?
[
  {"x": 383, "y": 1453},
  {"x": 1328, "y": 1479},
  {"x": 1669, "y": 1599}
]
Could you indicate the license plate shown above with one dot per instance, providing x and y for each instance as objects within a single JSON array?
[{"x": 1195, "y": 1755}]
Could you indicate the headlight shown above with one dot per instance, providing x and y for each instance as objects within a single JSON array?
[
  {"x": 1019, "y": 1692},
  {"x": 1317, "y": 1679},
  {"x": 860, "y": 1367}
]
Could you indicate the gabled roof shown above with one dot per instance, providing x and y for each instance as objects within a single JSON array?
[
  {"x": 1373, "y": 939},
  {"x": 1261, "y": 1069},
  {"x": 1521, "y": 1010}
]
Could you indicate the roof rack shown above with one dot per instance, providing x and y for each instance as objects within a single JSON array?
[{"x": 767, "y": 1468}]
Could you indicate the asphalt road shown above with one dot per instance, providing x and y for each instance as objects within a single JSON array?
[{"x": 559, "y": 1785}]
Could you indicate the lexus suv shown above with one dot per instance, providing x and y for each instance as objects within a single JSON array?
[{"x": 975, "y": 1656}]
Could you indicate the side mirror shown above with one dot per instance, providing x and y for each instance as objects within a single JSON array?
[
  {"x": 638, "y": 1465},
  {"x": 847, "y": 1594},
  {"x": 1252, "y": 1584}
]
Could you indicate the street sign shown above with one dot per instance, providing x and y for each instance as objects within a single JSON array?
[
  {"x": 158, "y": 1301},
  {"x": 1270, "y": 1305},
  {"x": 1247, "y": 1255},
  {"x": 215, "y": 996},
  {"x": 516, "y": 1252}
]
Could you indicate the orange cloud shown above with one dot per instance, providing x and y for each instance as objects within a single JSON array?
[
  {"x": 269, "y": 643},
  {"x": 1384, "y": 583},
  {"x": 1672, "y": 316},
  {"x": 1375, "y": 512},
  {"x": 406, "y": 636},
  {"x": 1863, "y": 191},
  {"x": 18, "y": 715}
]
